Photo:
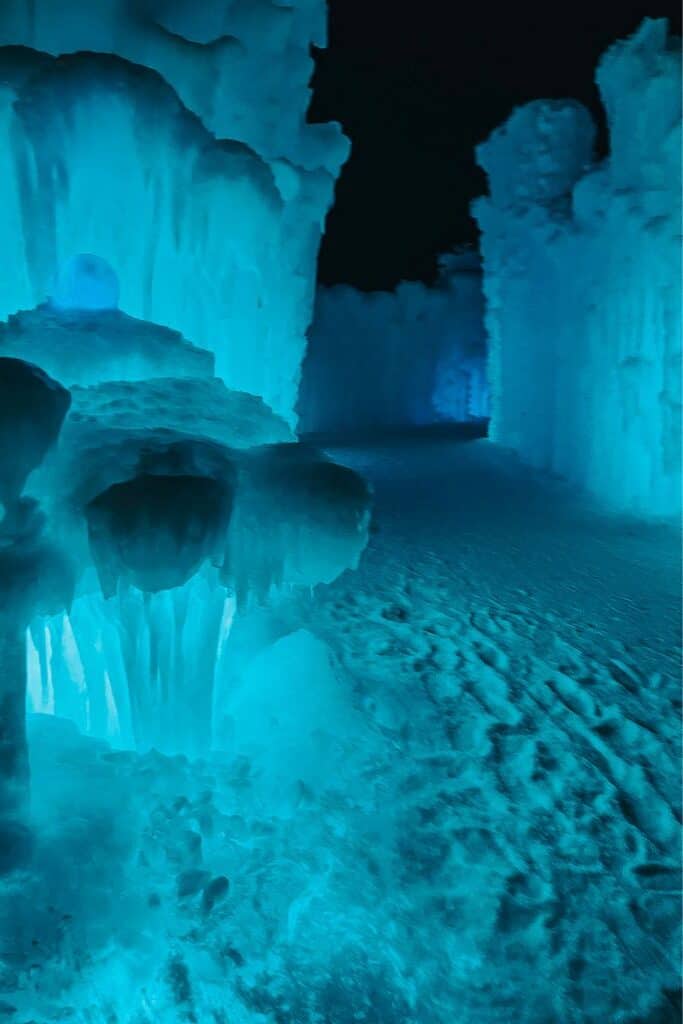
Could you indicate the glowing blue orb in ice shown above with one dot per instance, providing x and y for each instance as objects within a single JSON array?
[{"x": 86, "y": 282}]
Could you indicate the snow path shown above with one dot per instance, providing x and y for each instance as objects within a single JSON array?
[{"x": 524, "y": 652}]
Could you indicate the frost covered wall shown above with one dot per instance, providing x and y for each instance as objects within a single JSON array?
[
  {"x": 169, "y": 139},
  {"x": 582, "y": 276},
  {"x": 387, "y": 359}
]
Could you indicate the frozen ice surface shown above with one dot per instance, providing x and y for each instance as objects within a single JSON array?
[
  {"x": 582, "y": 271},
  {"x": 492, "y": 835},
  {"x": 387, "y": 359}
]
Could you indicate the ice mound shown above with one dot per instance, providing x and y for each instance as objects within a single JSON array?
[
  {"x": 193, "y": 408},
  {"x": 190, "y": 541},
  {"x": 90, "y": 346},
  {"x": 285, "y": 718}
]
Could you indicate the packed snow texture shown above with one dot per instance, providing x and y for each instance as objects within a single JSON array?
[
  {"x": 582, "y": 273},
  {"x": 387, "y": 359},
  {"x": 169, "y": 140}
]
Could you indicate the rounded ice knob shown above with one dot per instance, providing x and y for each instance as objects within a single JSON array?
[{"x": 86, "y": 282}]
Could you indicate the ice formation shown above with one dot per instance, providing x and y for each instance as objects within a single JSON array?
[
  {"x": 164, "y": 199},
  {"x": 582, "y": 271},
  {"x": 389, "y": 359},
  {"x": 169, "y": 141},
  {"x": 181, "y": 505},
  {"x": 163, "y": 204}
]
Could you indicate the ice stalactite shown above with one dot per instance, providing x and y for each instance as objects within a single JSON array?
[
  {"x": 136, "y": 669},
  {"x": 182, "y": 504},
  {"x": 142, "y": 658}
]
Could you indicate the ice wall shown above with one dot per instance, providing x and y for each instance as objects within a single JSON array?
[
  {"x": 169, "y": 139},
  {"x": 582, "y": 275},
  {"x": 388, "y": 359}
]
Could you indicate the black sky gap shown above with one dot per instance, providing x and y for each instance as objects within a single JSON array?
[{"x": 416, "y": 85}]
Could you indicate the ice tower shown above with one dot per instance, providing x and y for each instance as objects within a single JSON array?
[{"x": 163, "y": 204}]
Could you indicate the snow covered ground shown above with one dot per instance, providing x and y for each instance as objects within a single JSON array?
[{"x": 497, "y": 842}]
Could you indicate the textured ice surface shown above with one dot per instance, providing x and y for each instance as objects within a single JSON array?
[
  {"x": 582, "y": 271},
  {"x": 387, "y": 359},
  {"x": 242, "y": 66},
  {"x": 170, "y": 141},
  {"x": 496, "y": 839},
  {"x": 90, "y": 346}
]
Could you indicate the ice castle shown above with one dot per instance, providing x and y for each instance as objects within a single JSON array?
[{"x": 383, "y": 730}]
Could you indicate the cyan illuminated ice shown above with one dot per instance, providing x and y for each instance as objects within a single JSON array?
[
  {"x": 170, "y": 142},
  {"x": 242, "y": 67},
  {"x": 90, "y": 346},
  {"x": 422, "y": 351},
  {"x": 582, "y": 271},
  {"x": 180, "y": 504},
  {"x": 34, "y": 575},
  {"x": 85, "y": 282}
]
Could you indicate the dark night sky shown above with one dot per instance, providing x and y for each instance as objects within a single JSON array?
[{"x": 416, "y": 86}]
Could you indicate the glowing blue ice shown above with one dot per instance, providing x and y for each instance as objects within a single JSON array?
[
  {"x": 86, "y": 282},
  {"x": 582, "y": 271},
  {"x": 392, "y": 359}
]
